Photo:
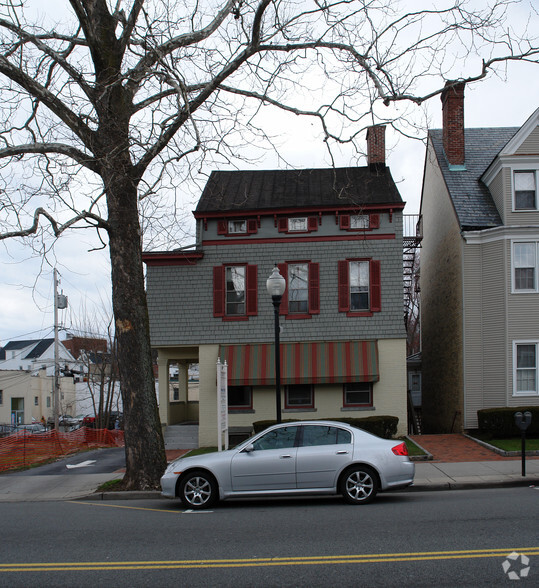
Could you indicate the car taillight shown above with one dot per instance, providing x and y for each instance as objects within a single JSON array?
[{"x": 400, "y": 449}]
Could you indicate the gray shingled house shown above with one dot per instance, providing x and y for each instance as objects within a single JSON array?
[
  {"x": 336, "y": 236},
  {"x": 479, "y": 269}
]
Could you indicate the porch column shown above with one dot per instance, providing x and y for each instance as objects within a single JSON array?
[
  {"x": 164, "y": 387},
  {"x": 183, "y": 379}
]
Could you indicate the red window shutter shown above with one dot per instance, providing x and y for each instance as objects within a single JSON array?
[
  {"x": 251, "y": 226},
  {"x": 283, "y": 270},
  {"x": 374, "y": 221},
  {"x": 376, "y": 286},
  {"x": 219, "y": 291},
  {"x": 314, "y": 288},
  {"x": 344, "y": 221},
  {"x": 312, "y": 224},
  {"x": 283, "y": 225},
  {"x": 343, "y": 285},
  {"x": 222, "y": 227},
  {"x": 251, "y": 288}
]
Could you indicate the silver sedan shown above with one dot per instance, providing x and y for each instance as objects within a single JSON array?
[{"x": 301, "y": 458}]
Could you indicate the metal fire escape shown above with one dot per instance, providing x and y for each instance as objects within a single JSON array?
[{"x": 411, "y": 243}]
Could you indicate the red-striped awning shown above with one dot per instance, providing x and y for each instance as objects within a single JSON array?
[{"x": 302, "y": 363}]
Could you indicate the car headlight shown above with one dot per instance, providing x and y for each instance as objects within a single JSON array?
[{"x": 173, "y": 466}]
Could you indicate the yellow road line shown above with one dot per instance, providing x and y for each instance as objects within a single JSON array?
[{"x": 265, "y": 562}]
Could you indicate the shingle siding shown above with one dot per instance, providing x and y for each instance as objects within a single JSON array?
[{"x": 180, "y": 298}]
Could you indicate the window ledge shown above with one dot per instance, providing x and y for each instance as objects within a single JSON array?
[
  {"x": 297, "y": 316},
  {"x": 235, "y": 318},
  {"x": 300, "y": 410},
  {"x": 360, "y": 408},
  {"x": 241, "y": 411},
  {"x": 359, "y": 313}
]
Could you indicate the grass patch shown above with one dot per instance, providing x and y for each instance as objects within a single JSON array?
[
  {"x": 111, "y": 486},
  {"x": 413, "y": 449},
  {"x": 513, "y": 444}
]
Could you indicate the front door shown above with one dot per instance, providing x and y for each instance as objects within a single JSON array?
[
  {"x": 17, "y": 411},
  {"x": 271, "y": 465}
]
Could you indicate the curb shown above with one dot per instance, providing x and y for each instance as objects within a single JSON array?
[
  {"x": 426, "y": 457},
  {"x": 420, "y": 487},
  {"x": 124, "y": 495},
  {"x": 529, "y": 482}
]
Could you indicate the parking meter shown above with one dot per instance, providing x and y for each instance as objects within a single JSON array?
[{"x": 523, "y": 421}]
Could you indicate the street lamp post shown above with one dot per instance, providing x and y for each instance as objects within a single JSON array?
[{"x": 276, "y": 285}]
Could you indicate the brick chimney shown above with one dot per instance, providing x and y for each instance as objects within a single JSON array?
[
  {"x": 453, "y": 123},
  {"x": 376, "y": 146}
]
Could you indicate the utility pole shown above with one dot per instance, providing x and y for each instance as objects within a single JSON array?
[
  {"x": 56, "y": 390},
  {"x": 60, "y": 302}
]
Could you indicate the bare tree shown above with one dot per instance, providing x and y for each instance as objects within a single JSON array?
[{"x": 113, "y": 103}]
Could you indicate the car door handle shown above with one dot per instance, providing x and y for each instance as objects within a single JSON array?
[
  {"x": 288, "y": 456},
  {"x": 342, "y": 452}
]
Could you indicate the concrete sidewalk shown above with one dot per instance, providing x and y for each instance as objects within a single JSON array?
[{"x": 428, "y": 476}]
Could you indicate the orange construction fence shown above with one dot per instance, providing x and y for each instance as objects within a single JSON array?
[{"x": 25, "y": 449}]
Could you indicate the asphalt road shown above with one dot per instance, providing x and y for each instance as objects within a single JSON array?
[
  {"x": 97, "y": 461},
  {"x": 445, "y": 538}
]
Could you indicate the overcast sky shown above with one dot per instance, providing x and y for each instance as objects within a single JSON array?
[{"x": 26, "y": 285}]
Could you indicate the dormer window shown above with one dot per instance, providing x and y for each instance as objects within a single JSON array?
[
  {"x": 231, "y": 228},
  {"x": 525, "y": 190},
  {"x": 237, "y": 226},
  {"x": 359, "y": 221},
  {"x": 298, "y": 224}
]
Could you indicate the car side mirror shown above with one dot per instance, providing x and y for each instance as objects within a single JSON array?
[{"x": 249, "y": 448}]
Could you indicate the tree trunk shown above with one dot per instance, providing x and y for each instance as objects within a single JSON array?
[{"x": 144, "y": 446}]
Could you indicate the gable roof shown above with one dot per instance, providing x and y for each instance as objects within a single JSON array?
[
  {"x": 255, "y": 190},
  {"x": 37, "y": 347},
  {"x": 472, "y": 200}
]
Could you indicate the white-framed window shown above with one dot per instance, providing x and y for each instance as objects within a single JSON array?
[
  {"x": 298, "y": 224},
  {"x": 298, "y": 288},
  {"x": 359, "y": 285},
  {"x": 359, "y": 221},
  {"x": 525, "y": 190},
  {"x": 235, "y": 290},
  {"x": 237, "y": 226},
  {"x": 525, "y": 256},
  {"x": 525, "y": 368}
]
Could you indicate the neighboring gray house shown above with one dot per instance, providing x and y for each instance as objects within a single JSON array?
[
  {"x": 336, "y": 235},
  {"x": 479, "y": 269}
]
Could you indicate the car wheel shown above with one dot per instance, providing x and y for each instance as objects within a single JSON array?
[
  {"x": 198, "y": 489},
  {"x": 359, "y": 485}
]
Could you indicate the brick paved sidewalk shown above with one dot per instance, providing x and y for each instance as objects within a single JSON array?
[{"x": 456, "y": 448}]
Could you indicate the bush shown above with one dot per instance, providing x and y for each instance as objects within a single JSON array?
[
  {"x": 384, "y": 425},
  {"x": 500, "y": 422}
]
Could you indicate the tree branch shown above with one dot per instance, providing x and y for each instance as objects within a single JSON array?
[
  {"x": 44, "y": 148},
  {"x": 51, "y": 101},
  {"x": 57, "y": 228}
]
